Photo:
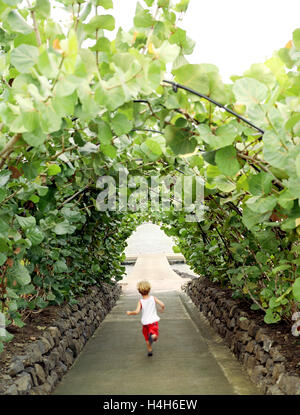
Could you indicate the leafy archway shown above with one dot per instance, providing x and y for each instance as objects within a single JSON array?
[{"x": 76, "y": 106}]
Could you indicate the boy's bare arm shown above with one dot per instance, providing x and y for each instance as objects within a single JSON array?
[
  {"x": 160, "y": 303},
  {"x": 136, "y": 311}
]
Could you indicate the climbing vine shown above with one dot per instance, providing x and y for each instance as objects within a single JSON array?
[{"x": 76, "y": 105}]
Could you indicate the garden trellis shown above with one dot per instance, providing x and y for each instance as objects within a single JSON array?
[{"x": 70, "y": 114}]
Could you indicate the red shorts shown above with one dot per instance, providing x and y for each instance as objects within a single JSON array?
[{"x": 150, "y": 329}]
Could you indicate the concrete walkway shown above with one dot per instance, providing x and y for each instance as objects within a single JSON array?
[{"x": 188, "y": 359}]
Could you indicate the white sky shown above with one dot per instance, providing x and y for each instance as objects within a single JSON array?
[{"x": 232, "y": 34}]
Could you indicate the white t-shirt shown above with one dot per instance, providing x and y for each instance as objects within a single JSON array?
[{"x": 149, "y": 314}]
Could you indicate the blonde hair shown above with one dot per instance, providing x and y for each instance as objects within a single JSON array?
[{"x": 143, "y": 287}]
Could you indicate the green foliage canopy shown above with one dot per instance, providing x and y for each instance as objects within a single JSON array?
[{"x": 76, "y": 105}]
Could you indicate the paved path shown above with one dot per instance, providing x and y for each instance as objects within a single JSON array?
[{"x": 188, "y": 359}]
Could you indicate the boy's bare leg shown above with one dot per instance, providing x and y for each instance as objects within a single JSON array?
[
  {"x": 152, "y": 338},
  {"x": 149, "y": 346}
]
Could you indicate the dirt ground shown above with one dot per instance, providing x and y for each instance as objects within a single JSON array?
[{"x": 35, "y": 325}]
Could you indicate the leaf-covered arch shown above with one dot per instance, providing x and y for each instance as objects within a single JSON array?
[{"x": 76, "y": 105}]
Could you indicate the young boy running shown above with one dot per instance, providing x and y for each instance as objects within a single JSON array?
[{"x": 149, "y": 315}]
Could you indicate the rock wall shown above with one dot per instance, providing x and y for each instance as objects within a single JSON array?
[
  {"x": 45, "y": 361},
  {"x": 255, "y": 349}
]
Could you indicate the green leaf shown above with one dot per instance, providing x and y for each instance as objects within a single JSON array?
[
  {"x": 3, "y": 194},
  {"x": 179, "y": 140},
  {"x": 250, "y": 91},
  {"x": 39, "y": 302},
  {"x": 4, "y": 177},
  {"x": 64, "y": 105},
  {"x": 86, "y": 11},
  {"x": 224, "y": 184},
  {"x": 47, "y": 65},
  {"x": 260, "y": 184},
  {"x": 17, "y": 23},
  {"x": 4, "y": 227},
  {"x": 11, "y": 293},
  {"x": 104, "y": 132},
  {"x": 167, "y": 52},
  {"x": 251, "y": 218},
  {"x": 296, "y": 38},
  {"x": 182, "y": 5},
  {"x": 78, "y": 139},
  {"x": 18, "y": 322},
  {"x": 196, "y": 161},
  {"x": 43, "y": 7},
  {"x": 20, "y": 274},
  {"x": 13, "y": 306},
  {"x": 12, "y": 2},
  {"x": 50, "y": 121},
  {"x": 261, "y": 73},
  {"x": 271, "y": 317},
  {"x": 71, "y": 215},
  {"x": 53, "y": 170},
  {"x": 176, "y": 249},
  {"x": 262, "y": 205},
  {"x": 105, "y": 21},
  {"x": 35, "y": 235},
  {"x": 3, "y": 258},
  {"x": 142, "y": 17},
  {"x": 26, "y": 222},
  {"x": 192, "y": 76},
  {"x": 64, "y": 228},
  {"x": 156, "y": 144},
  {"x": 60, "y": 267},
  {"x": 121, "y": 124},
  {"x": 297, "y": 162},
  {"x": 227, "y": 134},
  {"x": 102, "y": 45},
  {"x": 210, "y": 157},
  {"x": 51, "y": 297},
  {"x": 30, "y": 120},
  {"x": 42, "y": 190},
  {"x": 227, "y": 162},
  {"x": 24, "y": 57},
  {"x": 280, "y": 268},
  {"x": 154, "y": 75},
  {"x": 29, "y": 39},
  {"x": 296, "y": 289},
  {"x": 110, "y": 151},
  {"x": 112, "y": 99},
  {"x": 65, "y": 88},
  {"x": 286, "y": 199},
  {"x": 106, "y": 4},
  {"x": 208, "y": 137}
]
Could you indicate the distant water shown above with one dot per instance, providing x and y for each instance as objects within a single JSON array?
[
  {"x": 149, "y": 239},
  {"x": 178, "y": 267}
]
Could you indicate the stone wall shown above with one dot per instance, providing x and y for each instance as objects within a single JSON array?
[
  {"x": 45, "y": 361},
  {"x": 254, "y": 348}
]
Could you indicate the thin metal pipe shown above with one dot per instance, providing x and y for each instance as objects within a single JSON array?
[{"x": 192, "y": 91}]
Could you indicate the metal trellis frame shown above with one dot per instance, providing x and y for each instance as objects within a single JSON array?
[{"x": 192, "y": 91}]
